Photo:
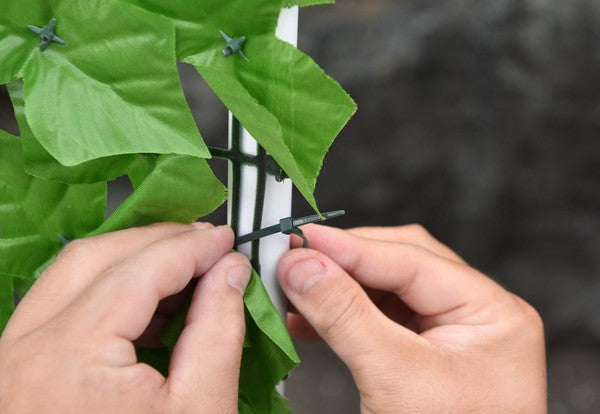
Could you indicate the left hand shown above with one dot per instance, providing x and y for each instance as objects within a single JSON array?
[{"x": 69, "y": 346}]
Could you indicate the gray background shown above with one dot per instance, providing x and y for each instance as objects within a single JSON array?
[{"x": 480, "y": 120}]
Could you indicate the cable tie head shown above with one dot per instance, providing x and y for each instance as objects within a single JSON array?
[
  {"x": 280, "y": 176},
  {"x": 234, "y": 45},
  {"x": 46, "y": 34},
  {"x": 289, "y": 225}
]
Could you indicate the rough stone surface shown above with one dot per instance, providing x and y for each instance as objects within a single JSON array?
[{"x": 479, "y": 119}]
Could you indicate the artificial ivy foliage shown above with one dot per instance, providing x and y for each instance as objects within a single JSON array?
[
  {"x": 114, "y": 89},
  {"x": 109, "y": 103},
  {"x": 281, "y": 96}
]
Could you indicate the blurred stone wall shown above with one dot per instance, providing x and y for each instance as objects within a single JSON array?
[{"x": 479, "y": 119}]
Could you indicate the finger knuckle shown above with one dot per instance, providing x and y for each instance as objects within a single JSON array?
[
  {"x": 419, "y": 232},
  {"x": 340, "y": 313},
  {"x": 211, "y": 238},
  {"x": 76, "y": 248},
  {"x": 227, "y": 236},
  {"x": 532, "y": 316},
  {"x": 237, "y": 258},
  {"x": 522, "y": 320}
]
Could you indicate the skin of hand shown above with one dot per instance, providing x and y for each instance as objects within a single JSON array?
[
  {"x": 419, "y": 329},
  {"x": 69, "y": 346}
]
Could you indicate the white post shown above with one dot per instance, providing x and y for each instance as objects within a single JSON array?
[{"x": 278, "y": 195}]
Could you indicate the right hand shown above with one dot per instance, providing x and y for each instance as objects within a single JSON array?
[{"x": 419, "y": 329}]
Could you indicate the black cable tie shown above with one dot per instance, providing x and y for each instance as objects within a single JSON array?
[
  {"x": 236, "y": 157},
  {"x": 298, "y": 232},
  {"x": 289, "y": 225}
]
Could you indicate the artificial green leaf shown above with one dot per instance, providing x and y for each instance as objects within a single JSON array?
[
  {"x": 112, "y": 89},
  {"x": 296, "y": 118},
  {"x": 198, "y": 26},
  {"x": 299, "y": 114},
  {"x": 35, "y": 213},
  {"x": 17, "y": 42},
  {"x": 258, "y": 120},
  {"x": 279, "y": 405},
  {"x": 268, "y": 321},
  {"x": 40, "y": 163},
  {"x": 23, "y": 248},
  {"x": 271, "y": 354},
  {"x": 7, "y": 303},
  {"x": 178, "y": 188}
]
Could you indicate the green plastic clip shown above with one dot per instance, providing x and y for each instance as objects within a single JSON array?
[
  {"x": 234, "y": 45},
  {"x": 47, "y": 34},
  {"x": 289, "y": 225}
]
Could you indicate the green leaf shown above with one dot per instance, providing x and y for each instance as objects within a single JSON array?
[
  {"x": 296, "y": 118},
  {"x": 7, "y": 303},
  {"x": 299, "y": 114},
  {"x": 34, "y": 213},
  {"x": 198, "y": 26},
  {"x": 113, "y": 89},
  {"x": 279, "y": 405},
  {"x": 271, "y": 354},
  {"x": 40, "y": 163},
  {"x": 269, "y": 322},
  {"x": 178, "y": 188},
  {"x": 17, "y": 42}
]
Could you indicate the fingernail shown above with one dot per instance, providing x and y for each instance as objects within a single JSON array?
[
  {"x": 202, "y": 225},
  {"x": 238, "y": 277},
  {"x": 304, "y": 275},
  {"x": 221, "y": 228}
]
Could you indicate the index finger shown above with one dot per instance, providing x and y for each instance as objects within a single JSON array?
[
  {"x": 410, "y": 234},
  {"x": 123, "y": 300},
  {"x": 428, "y": 283},
  {"x": 78, "y": 265}
]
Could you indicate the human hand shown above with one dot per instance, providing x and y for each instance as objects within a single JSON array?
[
  {"x": 69, "y": 346},
  {"x": 419, "y": 329}
]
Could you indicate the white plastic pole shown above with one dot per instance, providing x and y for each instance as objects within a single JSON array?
[{"x": 278, "y": 195}]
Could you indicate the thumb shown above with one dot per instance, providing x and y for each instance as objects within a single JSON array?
[
  {"x": 205, "y": 365},
  {"x": 335, "y": 305}
]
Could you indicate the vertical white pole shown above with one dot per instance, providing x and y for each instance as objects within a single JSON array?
[{"x": 278, "y": 195}]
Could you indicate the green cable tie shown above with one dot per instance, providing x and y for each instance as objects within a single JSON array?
[
  {"x": 289, "y": 225},
  {"x": 47, "y": 34},
  {"x": 234, "y": 45}
]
